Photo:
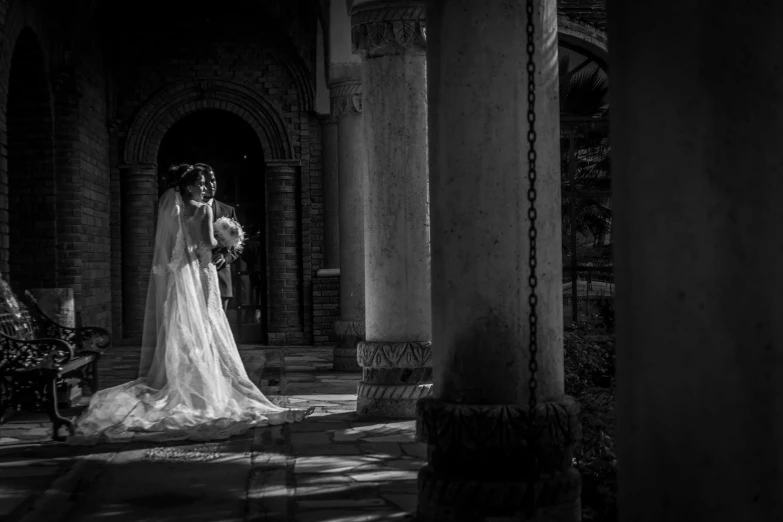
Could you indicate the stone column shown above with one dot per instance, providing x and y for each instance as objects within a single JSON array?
[
  {"x": 484, "y": 458},
  {"x": 139, "y": 188},
  {"x": 283, "y": 247},
  {"x": 347, "y": 108},
  {"x": 331, "y": 193},
  {"x": 390, "y": 36},
  {"x": 697, "y": 190}
]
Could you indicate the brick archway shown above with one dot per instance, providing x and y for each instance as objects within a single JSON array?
[
  {"x": 32, "y": 253},
  {"x": 179, "y": 99}
]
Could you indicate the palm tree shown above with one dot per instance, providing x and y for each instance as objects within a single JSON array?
[{"x": 585, "y": 163}]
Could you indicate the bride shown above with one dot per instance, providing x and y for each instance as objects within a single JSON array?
[{"x": 192, "y": 382}]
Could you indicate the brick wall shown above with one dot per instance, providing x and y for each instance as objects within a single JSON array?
[
  {"x": 95, "y": 192},
  {"x": 326, "y": 310}
]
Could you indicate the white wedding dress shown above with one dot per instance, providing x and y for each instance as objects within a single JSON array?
[{"x": 192, "y": 382}]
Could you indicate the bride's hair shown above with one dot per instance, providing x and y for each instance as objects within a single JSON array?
[
  {"x": 174, "y": 174},
  {"x": 189, "y": 177}
]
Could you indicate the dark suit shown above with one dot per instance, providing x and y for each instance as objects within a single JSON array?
[{"x": 224, "y": 274}]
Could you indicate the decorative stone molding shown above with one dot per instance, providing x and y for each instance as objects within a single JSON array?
[
  {"x": 474, "y": 431},
  {"x": 397, "y": 376},
  {"x": 349, "y": 333},
  {"x": 393, "y": 28},
  {"x": 346, "y": 328},
  {"x": 474, "y": 426},
  {"x": 381, "y": 391},
  {"x": 346, "y": 98},
  {"x": 394, "y": 355},
  {"x": 555, "y": 497}
]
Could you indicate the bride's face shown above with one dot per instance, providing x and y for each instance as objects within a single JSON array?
[{"x": 198, "y": 189}]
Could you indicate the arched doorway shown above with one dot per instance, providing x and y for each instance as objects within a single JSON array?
[
  {"x": 32, "y": 222},
  {"x": 231, "y": 147}
]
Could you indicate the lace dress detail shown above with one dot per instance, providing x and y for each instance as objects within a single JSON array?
[{"x": 197, "y": 387}]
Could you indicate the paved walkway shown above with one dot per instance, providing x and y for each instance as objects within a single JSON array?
[{"x": 329, "y": 467}]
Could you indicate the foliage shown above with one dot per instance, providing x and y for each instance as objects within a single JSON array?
[
  {"x": 589, "y": 377},
  {"x": 584, "y": 94}
]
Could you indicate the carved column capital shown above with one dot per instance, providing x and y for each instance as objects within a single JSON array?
[
  {"x": 346, "y": 98},
  {"x": 389, "y": 28},
  {"x": 394, "y": 355}
]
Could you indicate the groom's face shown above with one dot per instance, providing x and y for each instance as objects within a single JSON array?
[{"x": 211, "y": 184}]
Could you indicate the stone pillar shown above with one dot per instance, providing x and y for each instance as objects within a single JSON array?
[
  {"x": 484, "y": 458},
  {"x": 283, "y": 242},
  {"x": 347, "y": 108},
  {"x": 697, "y": 188},
  {"x": 396, "y": 357},
  {"x": 139, "y": 186},
  {"x": 331, "y": 193}
]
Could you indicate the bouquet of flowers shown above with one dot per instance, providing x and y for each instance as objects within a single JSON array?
[{"x": 229, "y": 233}]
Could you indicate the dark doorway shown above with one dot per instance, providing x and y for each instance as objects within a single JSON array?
[
  {"x": 232, "y": 148},
  {"x": 31, "y": 260}
]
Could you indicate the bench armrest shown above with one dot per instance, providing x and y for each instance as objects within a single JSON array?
[
  {"x": 91, "y": 338},
  {"x": 21, "y": 355}
]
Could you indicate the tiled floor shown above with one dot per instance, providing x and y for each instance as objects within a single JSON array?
[{"x": 330, "y": 467}]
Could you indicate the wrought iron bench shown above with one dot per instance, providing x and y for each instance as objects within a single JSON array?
[{"x": 37, "y": 354}]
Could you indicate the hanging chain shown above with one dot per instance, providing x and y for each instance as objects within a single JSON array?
[{"x": 531, "y": 212}]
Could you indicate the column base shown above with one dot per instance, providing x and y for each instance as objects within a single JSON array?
[
  {"x": 390, "y": 401},
  {"x": 498, "y": 461},
  {"x": 394, "y": 377},
  {"x": 552, "y": 498},
  {"x": 349, "y": 334}
]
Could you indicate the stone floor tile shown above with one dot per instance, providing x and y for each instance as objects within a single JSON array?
[
  {"x": 400, "y": 488},
  {"x": 405, "y": 464},
  {"x": 307, "y": 425},
  {"x": 385, "y": 449},
  {"x": 348, "y": 435},
  {"x": 376, "y": 473},
  {"x": 10, "y": 500},
  {"x": 332, "y": 449},
  {"x": 340, "y": 503},
  {"x": 309, "y": 438},
  {"x": 398, "y": 437},
  {"x": 415, "y": 449},
  {"x": 406, "y": 502},
  {"x": 330, "y": 464},
  {"x": 19, "y": 472}
]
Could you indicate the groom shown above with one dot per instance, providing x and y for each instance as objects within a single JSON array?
[{"x": 220, "y": 255}]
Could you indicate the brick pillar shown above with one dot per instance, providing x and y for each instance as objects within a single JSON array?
[
  {"x": 285, "y": 322},
  {"x": 346, "y": 102},
  {"x": 485, "y": 459},
  {"x": 330, "y": 191},
  {"x": 396, "y": 357},
  {"x": 139, "y": 187},
  {"x": 70, "y": 239}
]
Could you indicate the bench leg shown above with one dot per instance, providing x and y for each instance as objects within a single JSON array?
[
  {"x": 94, "y": 376},
  {"x": 50, "y": 398}
]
